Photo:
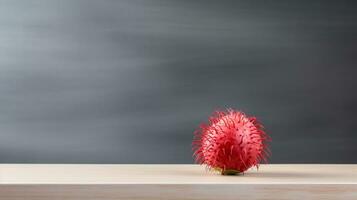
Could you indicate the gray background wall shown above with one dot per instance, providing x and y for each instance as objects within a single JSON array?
[{"x": 129, "y": 81}]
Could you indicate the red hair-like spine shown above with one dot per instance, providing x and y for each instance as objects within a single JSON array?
[{"x": 231, "y": 142}]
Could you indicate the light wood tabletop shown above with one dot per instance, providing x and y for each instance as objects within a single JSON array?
[
  {"x": 173, "y": 174},
  {"x": 106, "y": 181}
]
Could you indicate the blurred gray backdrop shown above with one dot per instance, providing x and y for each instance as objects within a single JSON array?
[{"x": 129, "y": 81}]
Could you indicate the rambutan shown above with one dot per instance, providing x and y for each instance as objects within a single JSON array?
[{"x": 231, "y": 142}]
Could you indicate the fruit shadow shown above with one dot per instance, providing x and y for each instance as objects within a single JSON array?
[{"x": 283, "y": 175}]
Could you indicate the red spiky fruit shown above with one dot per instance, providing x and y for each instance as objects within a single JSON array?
[{"x": 231, "y": 142}]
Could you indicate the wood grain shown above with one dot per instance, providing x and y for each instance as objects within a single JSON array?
[{"x": 22, "y": 181}]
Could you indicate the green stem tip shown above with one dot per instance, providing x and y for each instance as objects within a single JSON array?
[{"x": 230, "y": 172}]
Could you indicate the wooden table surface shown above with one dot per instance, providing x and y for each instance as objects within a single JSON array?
[{"x": 88, "y": 181}]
